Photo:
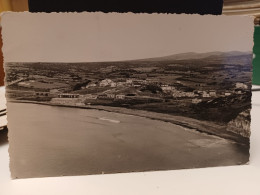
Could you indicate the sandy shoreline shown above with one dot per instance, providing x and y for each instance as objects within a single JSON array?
[{"x": 189, "y": 123}]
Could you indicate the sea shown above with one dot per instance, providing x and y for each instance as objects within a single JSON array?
[{"x": 57, "y": 141}]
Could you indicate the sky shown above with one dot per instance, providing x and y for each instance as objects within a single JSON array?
[{"x": 91, "y": 37}]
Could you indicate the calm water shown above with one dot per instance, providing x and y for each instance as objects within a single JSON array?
[{"x": 53, "y": 141}]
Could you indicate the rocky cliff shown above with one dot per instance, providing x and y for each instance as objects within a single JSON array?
[{"x": 241, "y": 124}]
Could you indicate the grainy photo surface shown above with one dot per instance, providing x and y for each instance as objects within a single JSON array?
[{"x": 96, "y": 93}]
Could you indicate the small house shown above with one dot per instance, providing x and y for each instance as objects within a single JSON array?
[
  {"x": 120, "y": 96},
  {"x": 212, "y": 93},
  {"x": 196, "y": 101}
]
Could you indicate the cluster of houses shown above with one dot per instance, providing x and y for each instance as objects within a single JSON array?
[
  {"x": 111, "y": 83},
  {"x": 104, "y": 96},
  {"x": 166, "y": 88},
  {"x": 197, "y": 93},
  {"x": 196, "y": 96},
  {"x": 111, "y": 96},
  {"x": 91, "y": 96}
]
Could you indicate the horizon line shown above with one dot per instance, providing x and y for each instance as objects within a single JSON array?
[{"x": 129, "y": 60}]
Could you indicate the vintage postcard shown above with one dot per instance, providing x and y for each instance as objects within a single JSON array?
[{"x": 96, "y": 93}]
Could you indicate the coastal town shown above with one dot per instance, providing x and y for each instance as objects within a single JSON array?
[
  {"x": 112, "y": 95},
  {"x": 210, "y": 88}
]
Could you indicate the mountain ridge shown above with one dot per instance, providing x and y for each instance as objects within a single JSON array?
[{"x": 196, "y": 56}]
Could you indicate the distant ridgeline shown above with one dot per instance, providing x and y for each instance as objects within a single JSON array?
[{"x": 212, "y": 86}]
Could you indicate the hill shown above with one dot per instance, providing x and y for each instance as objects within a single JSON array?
[{"x": 196, "y": 56}]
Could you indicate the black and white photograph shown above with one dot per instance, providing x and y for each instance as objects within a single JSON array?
[{"x": 96, "y": 93}]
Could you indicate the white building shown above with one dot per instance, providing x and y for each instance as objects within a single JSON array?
[
  {"x": 91, "y": 85},
  {"x": 177, "y": 94},
  {"x": 129, "y": 81},
  {"x": 167, "y": 88},
  {"x": 212, "y": 93},
  {"x": 113, "y": 84},
  {"x": 241, "y": 86},
  {"x": 24, "y": 84},
  {"x": 189, "y": 94},
  {"x": 90, "y": 96},
  {"x": 196, "y": 101},
  {"x": 227, "y": 94},
  {"x": 105, "y": 82},
  {"x": 120, "y": 96},
  {"x": 205, "y": 95}
]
